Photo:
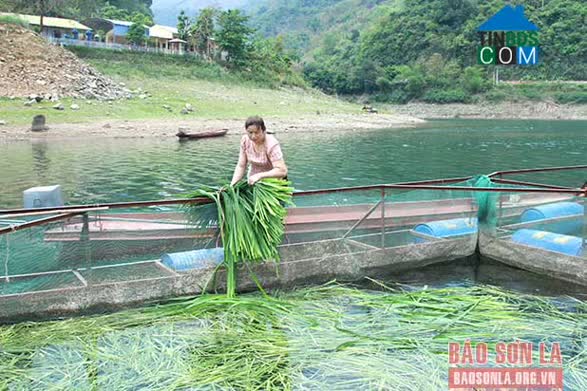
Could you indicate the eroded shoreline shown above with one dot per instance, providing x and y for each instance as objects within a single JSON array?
[{"x": 166, "y": 128}]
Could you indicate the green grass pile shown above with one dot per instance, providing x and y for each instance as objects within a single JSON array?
[
  {"x": 250, "y": 219},
  {"x": 335, "y": 337}
]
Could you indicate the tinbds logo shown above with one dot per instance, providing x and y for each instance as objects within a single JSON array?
[{"x": 508, "y": 38}]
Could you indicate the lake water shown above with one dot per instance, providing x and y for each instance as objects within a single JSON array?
[
  {"x": 116, "y": 170},
  {"x": 335, "y": 337}
]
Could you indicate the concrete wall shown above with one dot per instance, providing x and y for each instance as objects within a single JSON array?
[
  {"x": 302, "y": 264},
  {"x": 548, "y": 263}
]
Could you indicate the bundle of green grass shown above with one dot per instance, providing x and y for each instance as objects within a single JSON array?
[
  {"x": 330, "y": 337},
  {"x": 250, "y": 219}
]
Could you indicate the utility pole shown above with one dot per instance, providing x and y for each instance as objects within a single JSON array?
[
  {"x": 42, "y": 6},
  {"x": 496, "y": 75}
]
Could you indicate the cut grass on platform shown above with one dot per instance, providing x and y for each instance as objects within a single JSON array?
[{"x": 334, "y": 337}]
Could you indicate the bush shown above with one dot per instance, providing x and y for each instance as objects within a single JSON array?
[
  {"x": 475, "y": 80},
  {"x": 383, "y": 83},
  {"x": 572, "y": 98},
  {"x": 178, "y": 67},
  {"x": 534, "y": 94},
  {"x": 397, "y": 96},
  {"x": 447, "y": 96},
  {"x": 410, "y": 80},
  {"x": 496, "y": 96},
  {"x": 11, "y": 19}
]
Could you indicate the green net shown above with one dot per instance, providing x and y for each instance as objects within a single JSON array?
[{"x": 343, "y": 233}]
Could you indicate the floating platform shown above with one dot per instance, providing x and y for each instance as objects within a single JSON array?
[{"x": 106, "y": 258}]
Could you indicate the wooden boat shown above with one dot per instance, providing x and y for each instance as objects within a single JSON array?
[{"x": 194, "y": 136}]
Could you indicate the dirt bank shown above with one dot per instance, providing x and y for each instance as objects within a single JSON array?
[
  {"x": 504, "y": 110},
  {"x": 31, "y": 66},
  {"x": 165, "y": 128}
]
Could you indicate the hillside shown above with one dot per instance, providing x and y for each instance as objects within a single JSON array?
[
  {"x": 163, "y": 85},
  {"x": 306, "y": 24},
  {"x": 166, "y": 11},
  {"x": 75, "y": 9},
  {"x": 423, "y": 49}
]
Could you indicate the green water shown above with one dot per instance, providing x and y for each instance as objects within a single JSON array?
[
  {"x": 335, "y": 338},
  {"x": 108, "y": 170}
]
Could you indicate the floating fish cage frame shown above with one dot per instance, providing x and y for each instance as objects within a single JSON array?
[{"x": 82, "y": 258}]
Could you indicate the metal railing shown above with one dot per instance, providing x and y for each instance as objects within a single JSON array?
[
  {"x": 372, "y": 216},
  {"x": 536, "y": 170},
  {"x": 119, "y": 46},
  {"x": 66, "y": 212}
]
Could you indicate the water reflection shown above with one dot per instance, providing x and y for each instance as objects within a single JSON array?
[{"x": 40, "y": 159}]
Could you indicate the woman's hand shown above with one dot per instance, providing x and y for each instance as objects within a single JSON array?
[{"x": 254, "y": 179}]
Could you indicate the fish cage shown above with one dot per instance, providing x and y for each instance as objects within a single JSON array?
[
  {"x": 546, "y": 235},
  {"x": 93, "y": 257}
]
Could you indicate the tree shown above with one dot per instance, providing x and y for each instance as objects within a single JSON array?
[
  {"x": 141, "y": 6},
  {"x": 202, "y": 31},
  {"x": 79, "y": 9},
  {"x": 233, "y": 35},
  {"x": 136, "y": 32},
  {"x": 112, "y": 12},
  {"x": 46, "y": 6},
  {"x": 40, "y": 7},
  {"x": 183, "y": 26},
  {"x": 138, "y": 17}
]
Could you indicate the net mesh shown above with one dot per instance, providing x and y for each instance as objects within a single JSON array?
[
  {"x": 540, "y": 232},
  {"x": 97, "y": 248},
  {"x": 544, "y": 232},
  {"x": 352, "y": 232}
]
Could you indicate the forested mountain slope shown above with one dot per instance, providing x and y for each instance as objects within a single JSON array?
[{"x": 406, "y": 49}]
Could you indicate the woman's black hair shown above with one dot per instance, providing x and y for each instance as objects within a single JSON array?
[{"x": 257, "y": 121}]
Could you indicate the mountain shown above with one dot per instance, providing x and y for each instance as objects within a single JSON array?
[
  {"x": 166, "y": 11},
  {"x": 417, "y": 49},
  {"x": 304, "y": 24}
]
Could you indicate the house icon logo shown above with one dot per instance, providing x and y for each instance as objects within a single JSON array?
[{"x": 508, "y": 38}]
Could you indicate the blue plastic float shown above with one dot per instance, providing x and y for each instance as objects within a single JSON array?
[
  {"x": 196, "y": 259},
  {"x": 564, "y": 244},
  {"x": 447, "y": 228},
  {"x": 542, "y": 215}
]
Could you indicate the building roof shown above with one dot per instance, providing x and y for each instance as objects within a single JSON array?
[
  {"x": 49, "y": 21},
  {"x": 177, "y": 40},
  {"x": 509, "y": 19},
  {"x": 120, "y": 22},
  {"x": 160, "y": 31}
]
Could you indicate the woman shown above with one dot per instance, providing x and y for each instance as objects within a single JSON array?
[{"x": 261, "y": 151}]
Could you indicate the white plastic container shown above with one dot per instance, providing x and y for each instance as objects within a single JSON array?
[{"x": 42, "y": 197}]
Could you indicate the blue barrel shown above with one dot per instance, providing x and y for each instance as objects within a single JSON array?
[
  {"x": 564, "y": 244},
  {"x": 197, "y": 259},
  {"x": 543, "y": 214},
  {"x": 447, "y": 228}
]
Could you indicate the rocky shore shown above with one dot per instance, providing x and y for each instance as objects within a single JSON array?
[
  {"x": 165, "y": 128},
  {"x": 503, "y": 110},
  {"x": 409, "y": 115}
]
